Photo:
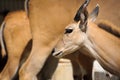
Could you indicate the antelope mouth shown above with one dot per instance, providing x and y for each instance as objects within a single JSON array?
[{"x": 58, "y": 54}]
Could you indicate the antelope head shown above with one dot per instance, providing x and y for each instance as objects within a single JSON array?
[{"x": 75, "y": 35}]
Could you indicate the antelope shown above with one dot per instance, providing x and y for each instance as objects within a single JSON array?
[
  {"x": 17, "y": 38},
  {"x": 48, "y": 20},
  {"x": 69, "y": 45},
  {"x": 18, "y": 52},
  {"x": 46, "y": 31},
  {"x": 16, "y": 35},
  {"x": 85, "y": 36}
]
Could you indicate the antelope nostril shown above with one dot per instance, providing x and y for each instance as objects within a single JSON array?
[{"x": 58, "y": 53}]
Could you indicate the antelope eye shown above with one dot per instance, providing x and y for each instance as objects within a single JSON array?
[{"x": 68, "y": 31}]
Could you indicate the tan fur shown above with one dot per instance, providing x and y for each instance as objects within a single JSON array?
[
  {"x": 107, "y": 47},
  {"x": 74, "y": 43},
  {"x": 36, "y": 34},
  {"x": 110, "y": 27},
  {"x": 96, "y": 43},
  {"x": 47, "y": 21},
  {"x": 16, "y": 34},
  {"x": 104, "y": 47},
  {"x": 16, "y": 45}
]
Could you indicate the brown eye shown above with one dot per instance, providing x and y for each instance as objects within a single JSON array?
[{"x": 68, "y": 31}]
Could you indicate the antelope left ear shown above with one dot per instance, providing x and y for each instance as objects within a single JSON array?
[{"x": 93, "y": 15}]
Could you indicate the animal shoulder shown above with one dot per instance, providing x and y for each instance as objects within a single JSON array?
[{"x": 109, "y": 27}]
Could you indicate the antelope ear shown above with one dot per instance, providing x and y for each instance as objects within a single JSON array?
[
  {"x": 93, "y": 15},
  {"x": 81, "y": 11}
]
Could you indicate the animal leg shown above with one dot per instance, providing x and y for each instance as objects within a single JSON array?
[{"x": 34, "y": 63}]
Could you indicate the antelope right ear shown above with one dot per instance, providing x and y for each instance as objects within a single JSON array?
[
  {"x": 82, "y": 16},
  {"x": 82, "y": 12},
  {"x": 93, "y": 15}
]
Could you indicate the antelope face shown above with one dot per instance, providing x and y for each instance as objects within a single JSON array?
[
  {"x": 75, "y": 35},
  {"x": 72, "y": 40}
]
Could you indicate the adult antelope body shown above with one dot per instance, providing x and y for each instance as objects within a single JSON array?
[
  {"x": 18, "y": 38},
  {"x": 68, "y": 45},
  {"x": 13, "y": 28},
  {"x": 93, "y": 42},
  {"x": 47, "y": 22},
  {"x": 16, "y": 35}
]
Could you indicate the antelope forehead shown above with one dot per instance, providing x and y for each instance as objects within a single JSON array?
[{"x": 72, "y": 26}]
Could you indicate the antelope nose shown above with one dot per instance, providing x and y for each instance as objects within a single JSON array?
[{"x": 57, "y": 53}]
